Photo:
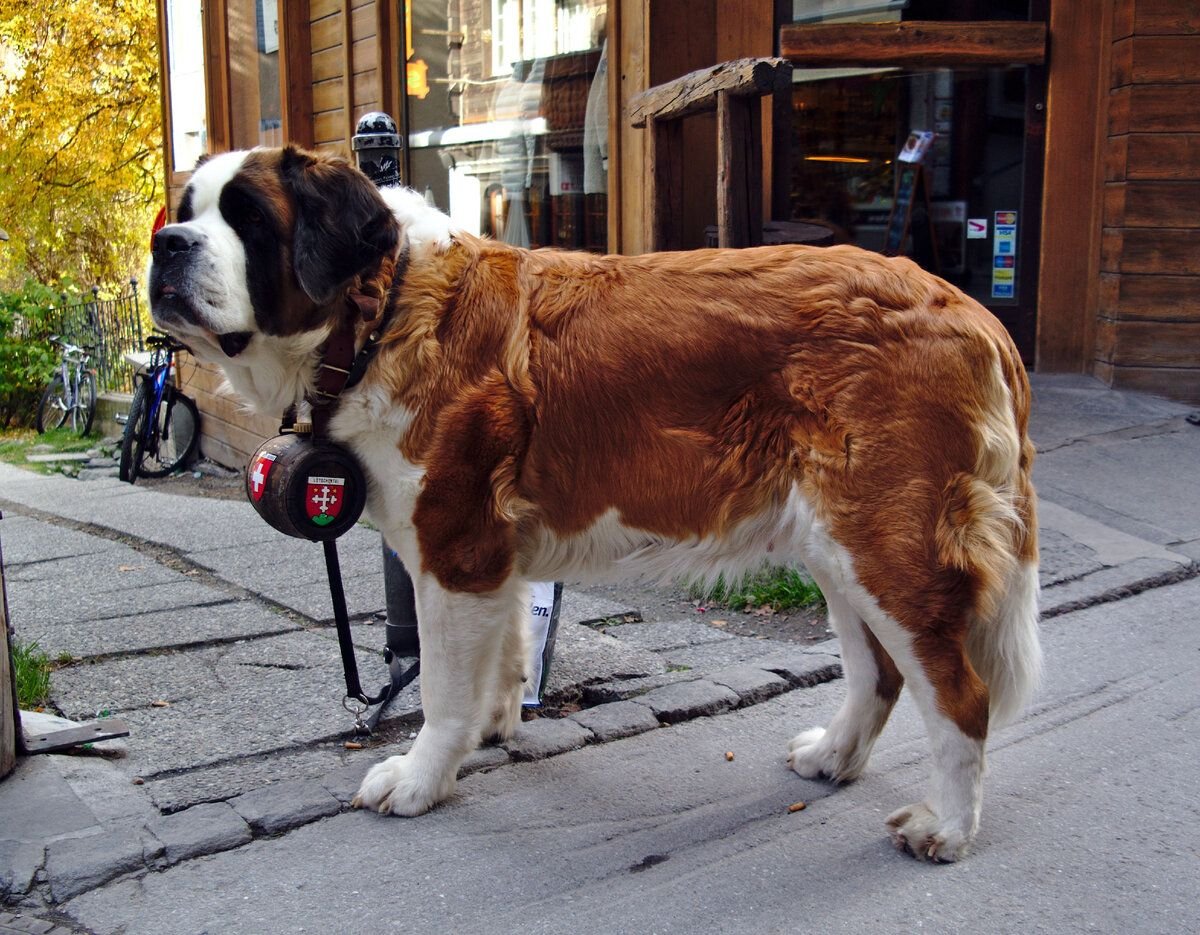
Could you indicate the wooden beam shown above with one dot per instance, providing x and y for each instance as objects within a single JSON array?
[
  {"x": 696, "y": 93},
  {"x": 914, "y": 43},
  {"x": 295, "y": 85}
]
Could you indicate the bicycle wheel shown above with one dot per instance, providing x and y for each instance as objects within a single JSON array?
[
  {"x": 134, "y": 428},
  {"x": 83, "y": 413},
  {"x": 172, "y": 439},
  {"x": 52, "y": 410}
]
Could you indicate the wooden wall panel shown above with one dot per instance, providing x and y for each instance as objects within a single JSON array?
[
  {"x": 1166, "y": 17},
  {"x": 1148, "y": 328},
  {"x": 229, "y": 434},
  {"x": 1152, "y": 204},
  {"x": 1137, "y": 297}
]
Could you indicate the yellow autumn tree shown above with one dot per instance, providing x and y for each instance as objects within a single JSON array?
[{"x": 80, "y": 140}]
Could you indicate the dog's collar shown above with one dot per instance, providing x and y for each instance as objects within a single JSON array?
[{"x": 340, "y": 365}]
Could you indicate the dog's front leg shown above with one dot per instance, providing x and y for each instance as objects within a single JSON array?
[{"x": 463, "y": 638}]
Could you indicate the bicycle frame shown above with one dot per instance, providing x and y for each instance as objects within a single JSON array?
[{"x": 158, "y": 375}]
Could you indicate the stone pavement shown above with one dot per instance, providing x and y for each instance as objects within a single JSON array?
[{"x": 208, "y": 633}]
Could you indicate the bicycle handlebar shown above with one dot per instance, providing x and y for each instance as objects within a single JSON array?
[
  {"x": 69, "y": 348},
  {"x": 165, "y": 341}
]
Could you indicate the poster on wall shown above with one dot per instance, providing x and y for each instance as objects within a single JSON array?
[{"x": 1004, "y": 255}]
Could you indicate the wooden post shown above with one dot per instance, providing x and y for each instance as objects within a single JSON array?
[
  {"x": 664, "y": 177},
  {"x": 10, "y": 723},
  {"x": 739, "y": 183}
]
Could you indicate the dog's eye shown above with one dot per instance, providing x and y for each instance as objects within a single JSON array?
[{"x": 253, "y": 216}]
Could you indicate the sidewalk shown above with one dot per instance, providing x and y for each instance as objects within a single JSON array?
[{"x": 208, "y": 633}]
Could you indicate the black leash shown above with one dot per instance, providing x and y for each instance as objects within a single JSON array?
[{"x": 399, "y": 675}]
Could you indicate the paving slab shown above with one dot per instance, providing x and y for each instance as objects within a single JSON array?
[
  {"x": 116, "y": 569},
  {"x": 28, "y": 540},
  {"x": 752, "y": 684},
  {"x": 218, "y": 782},
  {"x": 607, "y": 691},
  {"x": 707, "y": 657},
  {"x": 663, "y": 635},
  {"x": 257, "y": 697},
  {"x": 204, "y": 829},
  {"x": 19, "y": 864},
  {"x": 616, "y": 719},
  {"x": 581, "y": 653},
  {"x": 543, "y": 737},
  {"x": 282, "y": 806},
  {"x": 164, "y": 627},
  {"x": 687, "y": 700},
  {"x": 77, "y": 865}
]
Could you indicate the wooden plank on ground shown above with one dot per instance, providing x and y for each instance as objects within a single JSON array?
[{"x": 9, "y": 723}]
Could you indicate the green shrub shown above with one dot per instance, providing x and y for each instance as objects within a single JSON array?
[
  {"x": 27, "y": 358},
  {"x": 780, "y": 589}
]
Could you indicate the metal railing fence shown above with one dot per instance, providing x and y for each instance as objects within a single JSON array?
[{"x": 113, "y": 325}]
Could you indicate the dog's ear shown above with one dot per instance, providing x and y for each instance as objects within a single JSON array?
[{"x": 343, "y": 227}]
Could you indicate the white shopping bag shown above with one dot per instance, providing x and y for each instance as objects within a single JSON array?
[{"x": 545, "y": 600}]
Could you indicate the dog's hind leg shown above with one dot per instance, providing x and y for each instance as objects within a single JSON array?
[
  {"x": 873, "y": 683},
  {"x": 462, "y": 636},
  {"x": 953, "y": 702}
]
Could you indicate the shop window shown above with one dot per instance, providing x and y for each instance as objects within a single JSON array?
[
  {"x": 508, "y": 130},
  {"x": 185, "y": 82}
]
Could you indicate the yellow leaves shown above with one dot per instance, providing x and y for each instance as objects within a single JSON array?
[{"x": 80, "y": 138}]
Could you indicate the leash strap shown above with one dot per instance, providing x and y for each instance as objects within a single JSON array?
[{"x": 342, "y": 620}]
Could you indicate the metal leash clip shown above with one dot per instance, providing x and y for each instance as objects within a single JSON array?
[{"x": 358, "y": 707}]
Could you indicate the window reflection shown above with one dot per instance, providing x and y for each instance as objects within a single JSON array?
[
  {"x": 185, "y": 64},
  {"x": 508, "y": 120},
  {"x": 255, "y": 108}
]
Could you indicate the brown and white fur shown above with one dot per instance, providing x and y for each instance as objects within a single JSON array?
[{"x": 546, "y": 415}]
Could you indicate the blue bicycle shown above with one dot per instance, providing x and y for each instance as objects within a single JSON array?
[{"x": 163, "y": 428}]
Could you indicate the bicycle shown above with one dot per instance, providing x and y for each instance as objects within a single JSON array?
[
  {"x": 71, "y": 393},
  {"x": 163, "y": 428}
]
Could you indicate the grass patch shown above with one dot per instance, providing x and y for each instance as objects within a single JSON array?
[
  {"x": 31, "y": 672},
  {"x": 15, "y": 444},
  {"x": 780, "y": 589}
]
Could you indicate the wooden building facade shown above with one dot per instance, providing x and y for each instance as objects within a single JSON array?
[{"x": 1062, "y": 186}]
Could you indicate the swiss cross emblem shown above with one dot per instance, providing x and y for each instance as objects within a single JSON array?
[
  {"x": 258, "y": 475},
  {"x": 323, "y": 499}
]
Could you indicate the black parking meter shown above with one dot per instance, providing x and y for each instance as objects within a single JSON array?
[{"x": 377, "y": 148}]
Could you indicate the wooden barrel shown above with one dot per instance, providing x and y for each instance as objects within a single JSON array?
[{"x": 308, "y": 489}]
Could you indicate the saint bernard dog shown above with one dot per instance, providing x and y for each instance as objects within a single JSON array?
[{"x": 545, "y": 415}]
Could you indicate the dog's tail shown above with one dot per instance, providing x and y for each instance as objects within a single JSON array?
[{"x": 988, "y": 529}]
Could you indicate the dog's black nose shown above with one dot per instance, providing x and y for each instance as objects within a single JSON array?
[{"x": 174, "y": 239}]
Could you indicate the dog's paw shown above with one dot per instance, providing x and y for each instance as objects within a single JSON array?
[
  {"x": 399, "y": 786},
  {"x": 813, "y": 754},
  {"x": 916, "y": 830}
]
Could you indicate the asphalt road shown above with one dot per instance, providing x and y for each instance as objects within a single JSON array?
[{"x": 1090, "y": 823}]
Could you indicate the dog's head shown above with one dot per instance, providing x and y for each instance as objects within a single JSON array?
[{"x": 256, "y": 270}]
